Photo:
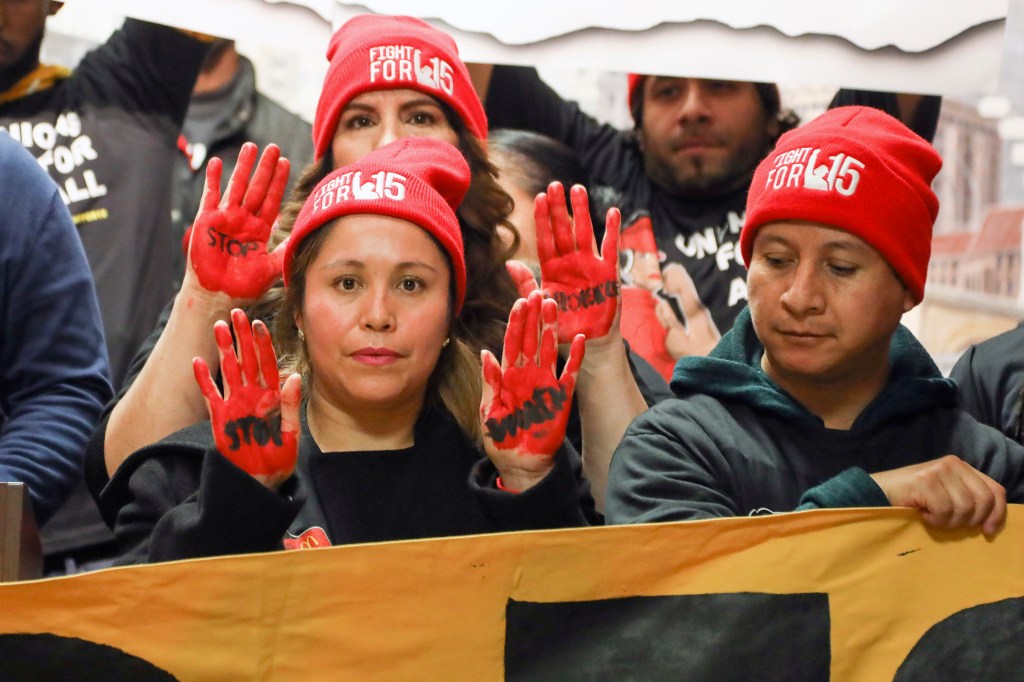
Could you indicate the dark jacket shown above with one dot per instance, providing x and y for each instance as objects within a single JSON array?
[
  {"x": 733, "y": 443},
  {"x": 180, "y": 498},
  {"x": 108, "y": 137},
  {"x": 990, "y": 376}
]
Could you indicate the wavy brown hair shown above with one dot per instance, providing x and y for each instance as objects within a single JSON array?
[{"x": 490, "y": 291}]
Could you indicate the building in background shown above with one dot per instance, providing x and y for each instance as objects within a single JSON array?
[
  {"x": 974, "y": 285},
  {"x": 974, "y": 280},
  {"x": 969, "y": 182}
]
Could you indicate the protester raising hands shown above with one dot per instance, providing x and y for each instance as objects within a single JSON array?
[
  {"x": 525, "y": 406},
  {"x": 391, "y": 431},
  {"x": 228, "y": 248},
  {"x": 583, "y": 282},
  {"x": 256, "y": 422}
]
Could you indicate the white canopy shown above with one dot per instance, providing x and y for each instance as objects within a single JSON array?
[{"x": 946, "y": 46}]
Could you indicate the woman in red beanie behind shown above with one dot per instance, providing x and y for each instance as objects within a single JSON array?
[
  {"x": 389, "y": 78},
  {"x": 387, "y": 444}
]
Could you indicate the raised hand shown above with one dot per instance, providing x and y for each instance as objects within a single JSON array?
[
  {"x": 228, "y": 248},
  {"x": 583, "y": 283},
  {"x": 525, "y": 407},
  {"x": 949, "y": 492},
  {"x": 256, "y": 422}
]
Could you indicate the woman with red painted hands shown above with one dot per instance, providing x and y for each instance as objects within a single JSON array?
[
  {"x": 584, "y": 284},
  {"x": 371, "y": 96},
  {"x": 392, "y": 439}
]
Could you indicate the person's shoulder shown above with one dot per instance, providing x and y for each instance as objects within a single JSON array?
[
  {"x": 964, "y": 430},
  {"x": 276, "y": 112},
  {"x": 23, "y": 183},
  {"x": 199, "y": 434},
  {"x": 272, "y": 122},
  {"x": 1005, "y": 347},
  {"x": 617, "y": 143},
  {"x": 16, "y": 161},
  {"x": 990, "y": 363}
]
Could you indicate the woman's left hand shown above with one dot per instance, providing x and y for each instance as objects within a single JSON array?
[{"x": 525, "y": 406}]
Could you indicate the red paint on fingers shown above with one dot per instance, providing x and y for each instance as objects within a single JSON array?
[
  {"x": 228, "y": 249},
  {"x": 583, "y": 284},
  {"x": 255, "y": 424}
]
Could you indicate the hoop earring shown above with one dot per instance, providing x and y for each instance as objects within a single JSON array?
[
  {"x": 447, "y": 340},
  {"x": 302, "y": 336}
]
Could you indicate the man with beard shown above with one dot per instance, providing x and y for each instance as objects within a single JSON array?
[{"x": 687, "y": 162}]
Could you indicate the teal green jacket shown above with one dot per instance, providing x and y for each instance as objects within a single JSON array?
[{"x": 732, "y": 442}]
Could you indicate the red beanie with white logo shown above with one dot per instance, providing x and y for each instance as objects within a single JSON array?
[
  {"x": 857, "y": 169},
  {"x": 418, "y": 179},
  {"x": 372, "y": 52}
]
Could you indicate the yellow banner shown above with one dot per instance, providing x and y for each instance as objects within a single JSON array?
[{"x": 840, "y": 594}]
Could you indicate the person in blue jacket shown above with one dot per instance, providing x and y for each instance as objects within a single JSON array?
[
  {"x": 817, "y": 397},
  {"x": 54, "y": 374}
]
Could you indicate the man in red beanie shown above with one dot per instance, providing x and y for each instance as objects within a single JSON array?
[
  {"x": 687, "y": 162},
  {"x": 817, "y": 397}
]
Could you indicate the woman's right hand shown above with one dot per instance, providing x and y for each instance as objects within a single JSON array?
[
  {"x": 256, "y": 422},
  {"x": 228, "y": 248}
]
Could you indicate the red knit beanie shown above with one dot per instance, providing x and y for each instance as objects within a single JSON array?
[
  {"x": 373, "y": 52},
  {"x": 418, "y": 179},
  {"x": 857, "y": 169}
]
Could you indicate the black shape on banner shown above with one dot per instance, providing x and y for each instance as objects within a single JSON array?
[
  {"x": 984, "y": 642},
  {"x": 50, "y": 658},
  {"x": 735, "y": 636}
]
